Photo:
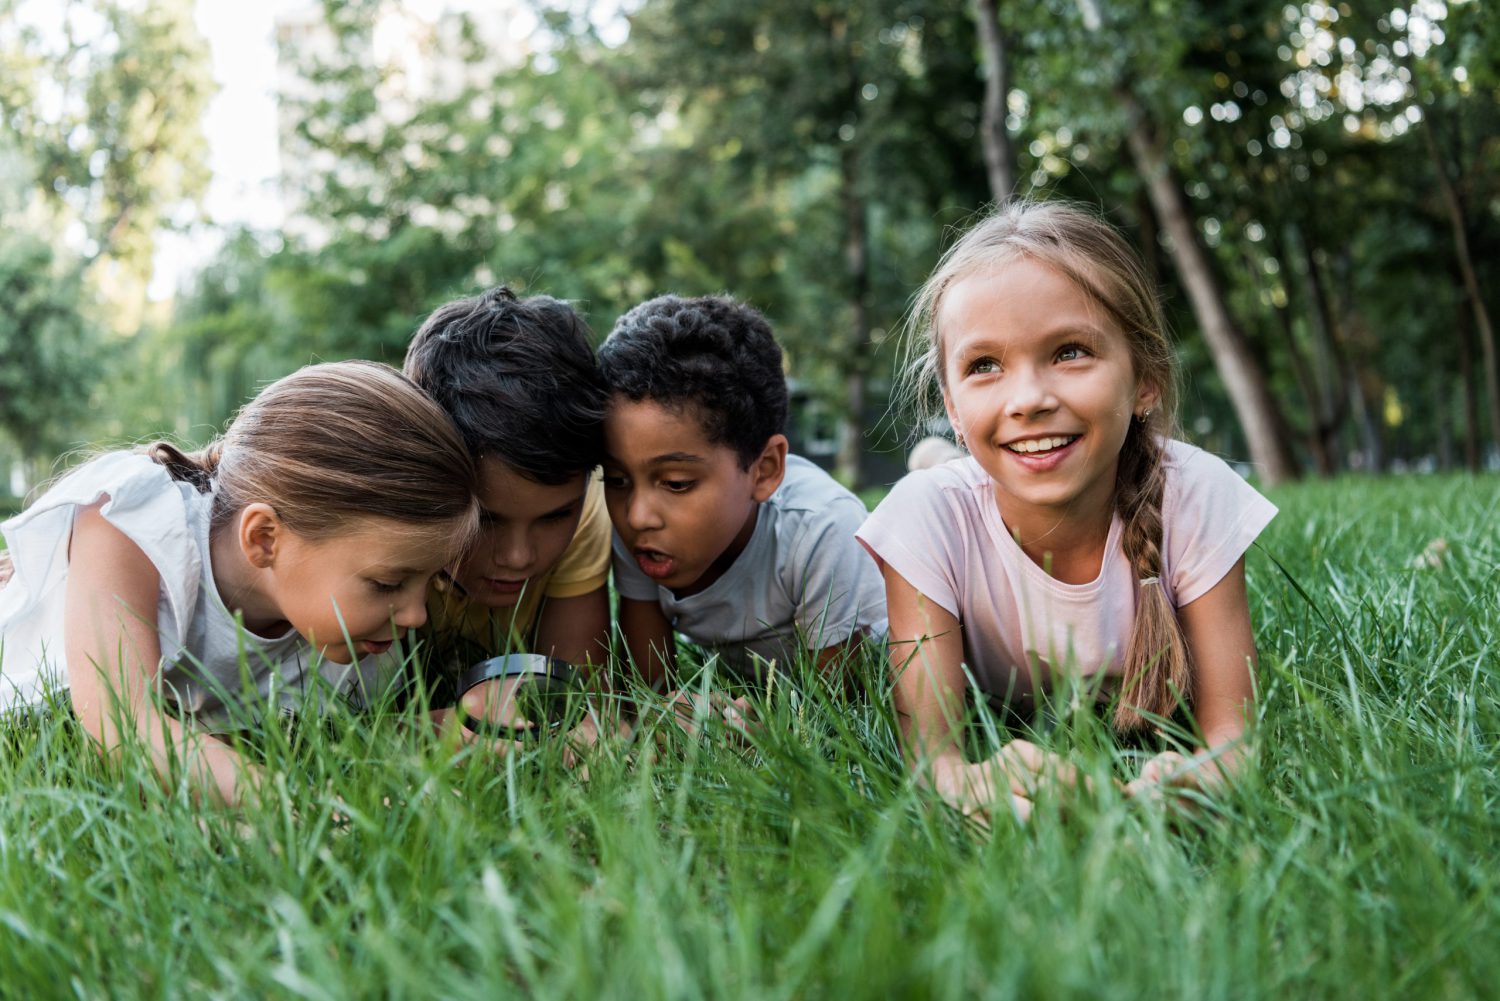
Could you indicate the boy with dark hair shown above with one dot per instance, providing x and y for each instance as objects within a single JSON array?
[
  {"x": 720, "y": 534},
  {"x": 520, "y": 381}
]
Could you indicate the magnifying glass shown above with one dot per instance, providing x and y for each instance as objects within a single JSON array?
[{"x": 539, "y": 695}]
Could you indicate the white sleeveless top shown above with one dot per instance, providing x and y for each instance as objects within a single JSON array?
[{"x": 211, "y": 668}]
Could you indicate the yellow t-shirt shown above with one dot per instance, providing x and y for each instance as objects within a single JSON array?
[{"x": 460, "y": 632}]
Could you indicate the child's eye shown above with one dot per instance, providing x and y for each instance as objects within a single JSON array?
[
  {"x": 982, "y": 366},
  {"x": 552, "y": 517},
  {"x": 1071, "y": 352},
  {"x": 613, "y": 482},
  {"x": 383, "y": 587},
  {"x": 679, "y": 486}
]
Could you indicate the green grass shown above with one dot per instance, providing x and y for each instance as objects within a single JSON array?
[{"x": 1357, "y": 860}]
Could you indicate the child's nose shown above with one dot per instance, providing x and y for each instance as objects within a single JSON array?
[
  {"x": 640, "y": 513},
  {"x": 1030, "y": 394},
  {"x": 513, "y": 550},
  {"x": 411, "y": 613}
]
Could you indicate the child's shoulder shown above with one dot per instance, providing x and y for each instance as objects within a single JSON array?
[
  {"x": 130, "y": 479},
  {"x": 1196, "y": 477},
  {"x": 962, "y": 482},
  {"x": 807, "y": 488}
]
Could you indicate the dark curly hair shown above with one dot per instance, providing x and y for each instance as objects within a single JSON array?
[
  {"x": 712, "y": 354},
  {"x": 519, "y": 379}
]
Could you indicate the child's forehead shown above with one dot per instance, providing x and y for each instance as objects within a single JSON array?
[
  {"x": 656, "y": 429},
  {"x": 391, "y": 544}
]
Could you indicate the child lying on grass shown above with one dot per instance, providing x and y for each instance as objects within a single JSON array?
[
  {"x": 177, "y": 595},
  {"x": 720, "y": 535},
  {"x": 1077, "y": 530}
]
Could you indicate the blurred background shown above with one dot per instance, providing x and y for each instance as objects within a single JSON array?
[{"x": 198, "y": 198}]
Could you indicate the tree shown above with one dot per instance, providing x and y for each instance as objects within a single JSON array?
[
  {"x": 105, "y": 101},
  {"x": 48, "y": 362},
  {"x": 999, "y": 157},
  {"x": 858, "y": 95},
  {"x": 1240, "y": 370}
]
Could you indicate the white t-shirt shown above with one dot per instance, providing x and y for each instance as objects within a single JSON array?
[
  {"x": 200, "y": 639},
  {"x": 802, "y": 582},
  {"x": 941, "y": 529}
]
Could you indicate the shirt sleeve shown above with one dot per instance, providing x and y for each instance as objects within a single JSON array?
[
  {"x": 905, "y": 531},
  {"x": 836, "y": 590},
  {"x": 584, "y": 566},
  {"x": 629, "y": 580},
  {"x": 1210, "y": 516}
]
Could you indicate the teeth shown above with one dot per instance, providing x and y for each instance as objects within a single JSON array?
[{"x": 1040, "y": 444}]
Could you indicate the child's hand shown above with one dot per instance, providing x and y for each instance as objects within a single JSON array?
[
  {"x": 973, "y": 789},
  {"x": 1027, "y": 767},
  {"x": 584, "y": 737},
  {"x": 688, "y": 708},
  {"x": 6, "y": 569},
  {"x": 451, "y": 730},
  {"x": 1171, "y": 772}
]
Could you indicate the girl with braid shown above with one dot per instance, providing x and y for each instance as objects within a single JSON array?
[{"x": 1077, "y": 541}]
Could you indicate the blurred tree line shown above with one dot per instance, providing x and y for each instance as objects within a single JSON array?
[{"x": 1316, "y": 186}]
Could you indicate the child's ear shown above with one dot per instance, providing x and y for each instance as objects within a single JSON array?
[
  {"x": 769, "y": 468},
  {"x": 260, "y": 534},
  {"x": 1147, "y": 397},
  {"x": 958, "y": 431}
]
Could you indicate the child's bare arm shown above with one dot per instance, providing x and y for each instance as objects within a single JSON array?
[
  {"x": 927, "y": 658},
  {"x": 113, "y": 655},
  {"x": 649, "y": 642},
  {"x": 576, "y": 629}
]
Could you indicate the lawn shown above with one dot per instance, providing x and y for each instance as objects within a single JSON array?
[{"x": 1357, "y": 860}]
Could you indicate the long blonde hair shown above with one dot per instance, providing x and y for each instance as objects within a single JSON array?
[
  {"x": 1092, "y": 254},
  {"x": 333, "y": 442}
]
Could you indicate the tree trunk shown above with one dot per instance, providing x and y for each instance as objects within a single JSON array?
[
  {"x": 999, "y": 157},
  {"x": 1458, "y": 222},
  {"x": 1465, "y": 322},
  {"x": 1337, "y": 396},
  {"x": 1236, "y": 364},
  {"x": 1307, "y": 380},
  {"x": 857, "y": 270}
]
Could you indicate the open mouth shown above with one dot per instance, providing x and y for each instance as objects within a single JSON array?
[
  {"x": 374, "y": 647},
  {"x": 504, "y": 586},
  {"x": 654, "y": 563},
  {"x": 1042, "y": 446}
]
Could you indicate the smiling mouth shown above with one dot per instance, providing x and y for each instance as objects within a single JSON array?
[{"x": 1042, "y": 446}]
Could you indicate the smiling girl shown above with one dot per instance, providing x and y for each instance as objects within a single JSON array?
[
  {"x": 1077, "y": 536},
  {"x": 177, "y": 595}
]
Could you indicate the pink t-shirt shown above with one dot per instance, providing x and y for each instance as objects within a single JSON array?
[{"x": 941, "y": 529}]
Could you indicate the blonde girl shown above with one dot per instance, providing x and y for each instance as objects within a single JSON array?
[
  {"x": 1077, "y": 535},
  {"x": 172, "y": 592}
]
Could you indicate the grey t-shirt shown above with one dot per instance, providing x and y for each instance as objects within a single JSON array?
[{"x": 802, "y": 583}]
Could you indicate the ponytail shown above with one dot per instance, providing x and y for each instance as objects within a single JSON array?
[
  {"x": 1157, "y": 678},
  {"x": 197, "y": 468}
]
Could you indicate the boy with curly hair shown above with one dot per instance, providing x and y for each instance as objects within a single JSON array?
[{"x": 720, "y": 534}]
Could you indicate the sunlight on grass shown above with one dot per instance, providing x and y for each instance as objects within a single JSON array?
[{"x": 1357, "y": 860}]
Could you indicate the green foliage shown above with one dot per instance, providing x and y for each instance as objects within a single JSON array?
[
  {"x": 1354, "y": 861},
  {"x": 49, "y": 360},
  {"x": 106, "y": 102},
  {"x": 807, "y": 157}
]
